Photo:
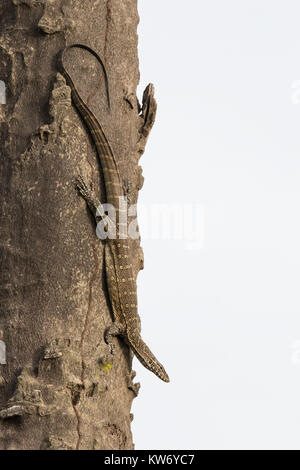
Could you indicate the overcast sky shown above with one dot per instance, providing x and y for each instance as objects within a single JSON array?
[{"x": 223, "y": 316}]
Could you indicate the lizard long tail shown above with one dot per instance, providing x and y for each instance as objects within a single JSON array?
[
  {"x": 108, "y": 163},
  {"x": 91, "y": 51}
]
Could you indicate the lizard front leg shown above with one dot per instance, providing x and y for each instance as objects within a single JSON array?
[
  {"x": 95, "y": 206},
  {"x": 90, "y": 197}
]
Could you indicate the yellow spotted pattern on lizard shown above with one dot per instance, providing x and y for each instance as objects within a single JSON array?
[{"x": 120, "y": 274}]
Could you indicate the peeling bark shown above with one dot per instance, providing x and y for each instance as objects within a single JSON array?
[{"x": 57, "y": 390}]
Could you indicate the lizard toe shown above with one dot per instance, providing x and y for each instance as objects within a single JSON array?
[{"x": 81, "y": 186}]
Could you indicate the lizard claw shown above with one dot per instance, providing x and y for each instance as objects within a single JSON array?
[
  {"x": 111, "y": 346},
  {"x": 82, "y": 187},
  {"x": 114, "y": 330}
]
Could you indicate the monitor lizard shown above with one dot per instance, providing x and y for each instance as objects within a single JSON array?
[{"x": 119, "y": 270}]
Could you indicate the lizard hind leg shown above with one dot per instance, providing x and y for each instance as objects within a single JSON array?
[{"x": 116, "y": 329}]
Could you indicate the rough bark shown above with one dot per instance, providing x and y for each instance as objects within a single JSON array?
[{"x": 55, "y": 390}]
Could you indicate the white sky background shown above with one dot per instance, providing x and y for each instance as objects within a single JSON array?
[{"x": 224, "y": 320}]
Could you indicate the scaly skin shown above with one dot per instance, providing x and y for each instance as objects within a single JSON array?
[{"x": 118, "y": 253}]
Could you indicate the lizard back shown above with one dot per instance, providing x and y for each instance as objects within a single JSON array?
[{"x": 121, "y": 279}]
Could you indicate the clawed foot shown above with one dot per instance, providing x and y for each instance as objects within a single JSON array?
[
  {"x": 111, "y": 346},
  {"x": 108, "y": 339},
  {"x": 114, "y": 330},
  {"x": 89, "y": 196},
  {"x": 82, "y": 187}
]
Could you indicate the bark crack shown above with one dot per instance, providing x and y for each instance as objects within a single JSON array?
[
  {"x": 108, "y": 21},
  {"x": 88, "y": 312},
  {"x": 78, "y": 425},
  {"x": 76, "y": 396}
]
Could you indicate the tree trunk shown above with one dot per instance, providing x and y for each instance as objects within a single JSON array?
[{"x": 57, "y": 390}]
